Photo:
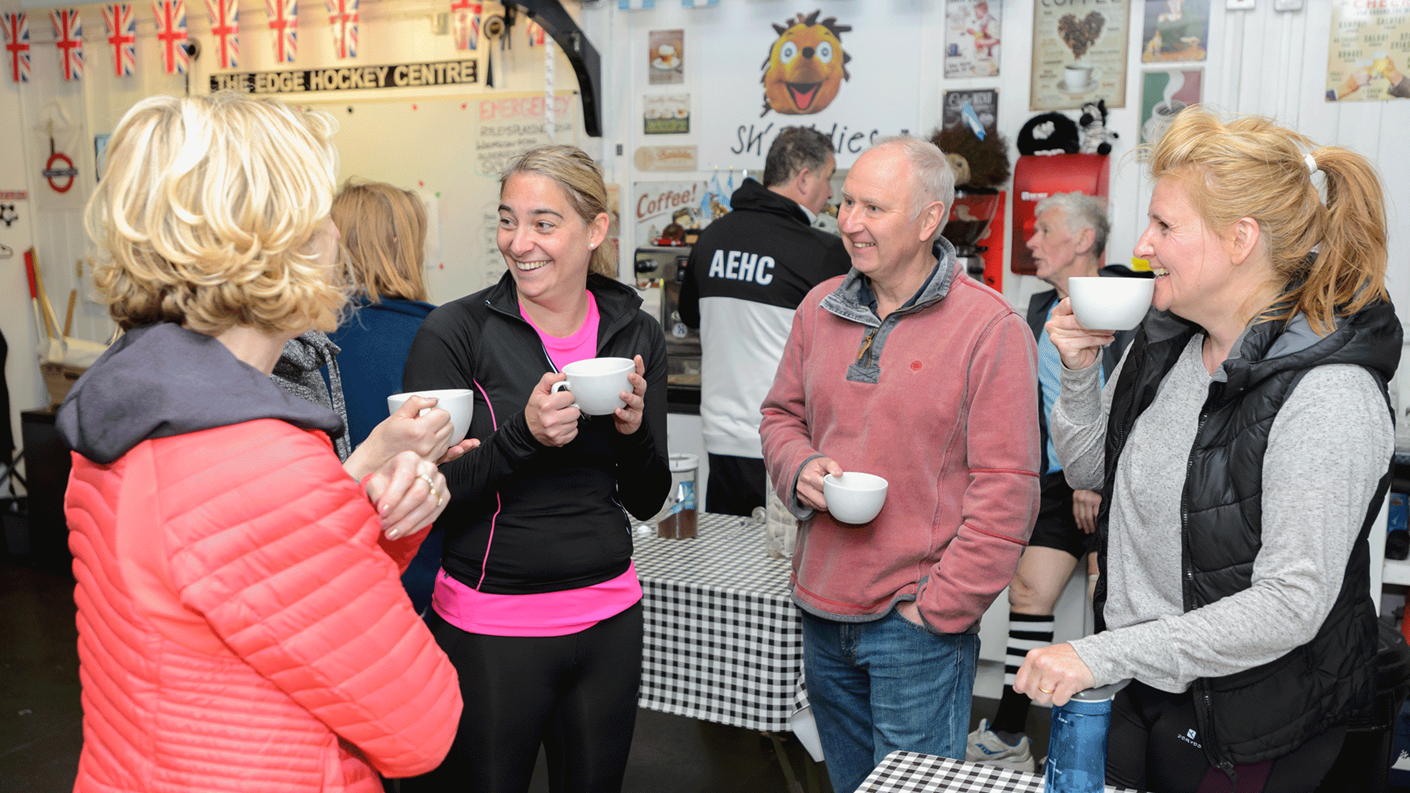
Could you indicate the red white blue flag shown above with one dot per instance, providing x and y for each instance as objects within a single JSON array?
[
  {"x": 535, "y": 33},
  {"x": 17, "y": 45},
  {"x": 171, "y": 33},
  {"x": 225, "y": 29},
  {"x": 68, "y": 39},
  {"x": 284, "y": 21},
  {"x": 465, "y": 23},
  {"x": 342, "y": 17},
  {"x": 122, "y": 35}
]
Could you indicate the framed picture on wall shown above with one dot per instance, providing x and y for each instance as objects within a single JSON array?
[
  {"x": 1369, "y": 54},
  {"x": 1175, "y": 31},
  {"x": 1079, "y": 54},
  {"x": 1163, "y": 95},
  {"x": 666, "y": 53},
  {"x": 972, "y": 29}
]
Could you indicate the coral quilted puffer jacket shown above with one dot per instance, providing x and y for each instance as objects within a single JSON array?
[{"x": 241, "y": 624}]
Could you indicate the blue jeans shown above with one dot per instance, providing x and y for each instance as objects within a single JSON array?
[{"x": 877, "y": 687}]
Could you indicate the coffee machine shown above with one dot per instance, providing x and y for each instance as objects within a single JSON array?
[
  {"x": 664, "y": 267},
  {"x": 974, "y": 209}
]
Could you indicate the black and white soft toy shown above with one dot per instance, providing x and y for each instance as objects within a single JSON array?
[
  {"x": 1097, "y": 137},
  {"x": 1048, "y": 133}
]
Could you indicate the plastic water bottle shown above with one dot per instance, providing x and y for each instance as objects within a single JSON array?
[{"x": 1077, "y": 743}]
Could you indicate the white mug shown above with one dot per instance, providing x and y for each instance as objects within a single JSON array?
[
  {"x": 458, "y": 402},
  {"x": 597, "y": 384}
]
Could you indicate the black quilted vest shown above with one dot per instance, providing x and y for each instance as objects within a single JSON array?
[{"x": 1270, "y": 710}]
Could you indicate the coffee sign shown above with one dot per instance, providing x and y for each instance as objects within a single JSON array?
[
  {"x": 1079, "y": 53},
  {"x": 666, "y": 158}
]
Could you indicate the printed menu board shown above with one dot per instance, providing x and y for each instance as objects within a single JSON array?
[
  {"x": 1370, "y": 51},
  {"x": 1079, "y": 53}
]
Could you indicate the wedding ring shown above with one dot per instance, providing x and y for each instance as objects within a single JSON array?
[{"x": 1045, "y": 690}]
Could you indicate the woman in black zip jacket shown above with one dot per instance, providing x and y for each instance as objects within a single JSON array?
[{"x": 537, "y": 603}]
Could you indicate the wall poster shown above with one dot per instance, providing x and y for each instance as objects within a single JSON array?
[
  {"x": 666, "y": 114},
  {"x": 1079, "y": 54},
  {"x": 666, "y": 52},
  {"x": 975, "y": 109},
  {"x": 1370, "y": 50},
  {"x": 972, "y": 38},
  {"x": 1163, "y": 95},
  {"x": 1175, "y": 30}
]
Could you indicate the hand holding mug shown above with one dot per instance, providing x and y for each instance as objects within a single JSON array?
[
  {"x": 1077, "y": 346},
  {"x": 551, "y": 415},
  {"x": 628, "y": 418},
  {"x": 810, "y": 482}
]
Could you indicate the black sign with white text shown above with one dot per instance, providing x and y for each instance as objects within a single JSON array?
[{"x": 349, "y": 78}]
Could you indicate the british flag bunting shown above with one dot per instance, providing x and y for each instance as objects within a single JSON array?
[
  {"x": 342, "y": 18},
  {"x": 122, "y": 35},
  {"x": 535, "y": 33},
  {"x": 284, "y": 21},
  {"x": 17, "y": 45},
  {"x": 68, "y": 40},
  {"x": 465, "y": 23},
  {"x": 171, "y": 33},
  {"x": 225, "y": 29}
]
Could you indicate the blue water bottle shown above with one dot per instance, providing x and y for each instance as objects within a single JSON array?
[{"x": 1077, "y": 743}]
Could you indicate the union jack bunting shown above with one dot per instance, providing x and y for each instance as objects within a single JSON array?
[
  {"x": 699, "y": 3},
  {"x": 17, "y": 45},
  {"x": 171, "y": 33},
  {"x": 68, "y": 39},
  {"x": 225, "y": 29},
  {"x": 635, "y": 5},
  {"x": 122, "y": 35},
  {"x": 284, "y": 21},
  {"x": 342, "y": 17},
  {"x": 465, "y": 23},
  {"x": 535, "y": 33}
]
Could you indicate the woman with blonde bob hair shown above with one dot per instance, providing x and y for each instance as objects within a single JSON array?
[
  {"x": 1235, "y": 588},
  {"x": 537, "y": 602},
  {"x": 241, "y": 625}
]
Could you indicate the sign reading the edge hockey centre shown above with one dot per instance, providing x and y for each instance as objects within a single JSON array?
[{"x": 349, "y": 78}]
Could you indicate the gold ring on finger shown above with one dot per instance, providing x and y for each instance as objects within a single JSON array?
[{"x": 1045, "y": 690}]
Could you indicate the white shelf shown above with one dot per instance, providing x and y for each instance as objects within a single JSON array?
[{"x": 1396, "y": 572}]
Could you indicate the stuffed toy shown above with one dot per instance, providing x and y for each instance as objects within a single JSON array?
[
  {"x": 976, "y": 162},
  {"x": 1097, "y": 137},
  {"x": 1048, "y": 133}
]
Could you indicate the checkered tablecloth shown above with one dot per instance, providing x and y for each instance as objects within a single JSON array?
[
  {"x": 724, "y": 641},
  {"x": 909, "y": 772}
]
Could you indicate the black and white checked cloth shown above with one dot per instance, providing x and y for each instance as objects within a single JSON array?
[
  {"x": 909, "y": 772},
  {"x": 724, "y": 641}
]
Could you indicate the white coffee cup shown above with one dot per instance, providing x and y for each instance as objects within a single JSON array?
[
  {"x": 1110, "y": 303},
  {"x": 1076, "y": 76},
  {"x": 597, "y": 384},
  {"x": 458, "y": 402},
  {"x": 854, "y": 497}
]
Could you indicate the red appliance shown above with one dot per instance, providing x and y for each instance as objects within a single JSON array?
[{"x": 1036, "y": 178}]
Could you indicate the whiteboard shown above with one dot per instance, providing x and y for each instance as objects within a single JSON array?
[{"x": 451, "y": 150}]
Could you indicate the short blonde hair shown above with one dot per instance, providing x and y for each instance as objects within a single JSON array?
[
  {"x": 581, "y": 179},
  {"x": 206, "y": 211},
  {"x": 1251, "y": 167},
  {"x": 384, "y": 235}
]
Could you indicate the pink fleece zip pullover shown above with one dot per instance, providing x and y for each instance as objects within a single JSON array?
[{"x": 942, "y": 402}]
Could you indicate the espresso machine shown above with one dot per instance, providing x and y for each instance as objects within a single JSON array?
[
  {"x": 974, "y": 209},
  {"x": 664, "y": 267}
]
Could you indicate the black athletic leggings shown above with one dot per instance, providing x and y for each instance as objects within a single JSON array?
[
  {"x": 575, "y": 695},
  {"x": 1154, "y": 745}
]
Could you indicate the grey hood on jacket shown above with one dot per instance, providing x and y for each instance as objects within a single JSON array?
[{"x": 161, "y": 380}]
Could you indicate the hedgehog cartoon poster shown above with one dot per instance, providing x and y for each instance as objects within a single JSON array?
[{"x": 806, "y": 65}]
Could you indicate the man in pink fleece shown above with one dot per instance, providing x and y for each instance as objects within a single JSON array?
[{"x": 910, "y": 370}]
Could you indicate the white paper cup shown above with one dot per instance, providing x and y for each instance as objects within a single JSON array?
[
  {"x": 458, "y": 402},
  {"x": 854, "y": 497},
  {"x": 597, "y": 384},
  {"x": 1110, "y": 303}
]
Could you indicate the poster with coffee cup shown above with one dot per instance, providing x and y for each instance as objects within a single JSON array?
[
  {"x": 1079, "y": 54},
  {"x": 1163, "y": 95},
  {"x": 1369, "y": 57},
  {"x": 666, "y": 56}
]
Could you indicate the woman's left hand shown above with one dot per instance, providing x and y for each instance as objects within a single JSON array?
[
  {"x": 628, "y": 418},
  {"x": 1051, "y": 675},
  {"x": 408, "y": 492}
]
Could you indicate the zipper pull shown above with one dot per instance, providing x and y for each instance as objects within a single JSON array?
[{"x": 866, "y": 343}]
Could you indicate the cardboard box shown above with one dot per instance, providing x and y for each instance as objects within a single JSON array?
[{"x": 59, "y": 378}]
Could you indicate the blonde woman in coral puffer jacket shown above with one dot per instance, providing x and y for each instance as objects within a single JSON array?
[{"x": 241, "y": 623}]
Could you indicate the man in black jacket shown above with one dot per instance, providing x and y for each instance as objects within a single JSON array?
[
  {"x": 747, "y": 273},
  {"x": 1068, "y": 241}
]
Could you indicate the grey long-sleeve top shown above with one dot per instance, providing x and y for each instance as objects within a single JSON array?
[{"x": 1327, "y": 449}]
